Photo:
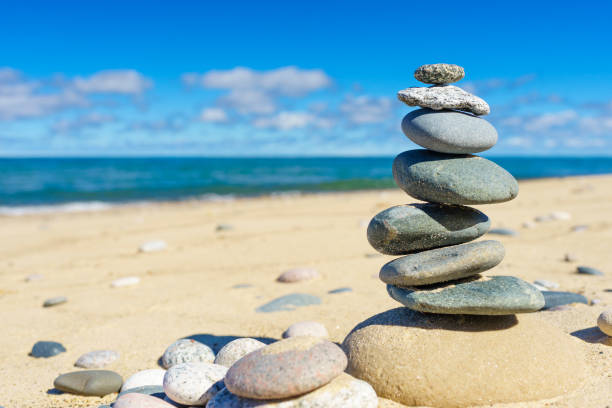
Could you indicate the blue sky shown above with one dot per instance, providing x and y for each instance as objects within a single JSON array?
[{"x": 293, "y": 78}]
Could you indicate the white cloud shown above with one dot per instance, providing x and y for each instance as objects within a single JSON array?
[
  {"x": 366, "y": 109},
  {"x": 126, "y": 81},
  {"x": 292, "y": 120},
  {"x": 214, "y": 115},
  {"x": 519, "y": 141},
  {"x": 93, "y": 119},
  {"x": 249, "y": 101},
  {"x": 547, "y": 121}
]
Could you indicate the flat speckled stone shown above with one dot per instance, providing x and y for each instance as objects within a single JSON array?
[
  {"x": 92, "y": 382},
  {"x": 444, "y": 97},
  {"x": 494, "y": 295},
  {"x": 443, "y": 264},
  {"x": 285, "y": 369},
  {"x": 193, "y": 383},
  {"x": 235, "y": 350},
  {"x": 452, "y": 179},
  {"x": 439, "y": 73},
  {"x": 404, "y": 229},
  {"x": 185, "y": 351},
  {"x": 97, "y": 359},
  {"x": 342, "y": 392},
  {"x": 46, "y": 349},
  {"x": 449, "y": 131}
]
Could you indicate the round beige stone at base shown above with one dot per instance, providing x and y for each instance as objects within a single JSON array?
[{"x": 459, "y": 361}]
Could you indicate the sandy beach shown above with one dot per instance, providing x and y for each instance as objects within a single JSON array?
[{"x": 187, "y": 289}]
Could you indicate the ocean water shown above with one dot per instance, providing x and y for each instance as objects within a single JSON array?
[{"x": 73, "y": 184}]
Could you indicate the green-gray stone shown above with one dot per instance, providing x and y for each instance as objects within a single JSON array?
[
  {"x": 404, "y": 229},
  {"x": 452, "y": 178},
  {"x": 495, "y": 295},
  {"x": 439, "y": 73},
  {"x": 443, "y": 264},
  {"x": 90, "y": 382}
]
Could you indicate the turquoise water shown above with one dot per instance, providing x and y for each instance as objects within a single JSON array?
[{"x": 54, "y": 181}]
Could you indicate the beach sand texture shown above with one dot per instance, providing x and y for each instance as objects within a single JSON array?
[{"x": 186, "y": 289}]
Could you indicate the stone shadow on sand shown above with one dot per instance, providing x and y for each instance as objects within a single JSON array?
[
  {"x": 402, "y": 316},
  {"x": 593, "y": 335}
]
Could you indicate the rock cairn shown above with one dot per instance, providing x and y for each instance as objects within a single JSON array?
[{"x": 458, "y": 340}]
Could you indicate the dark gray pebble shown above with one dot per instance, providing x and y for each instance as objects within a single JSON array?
[
  {"x": 340, "y": 290},
  {"x": 54, "y": 301},
  {"x": 587, "y": 270},
  {"x": 503, "y": 231},
  {"x": 554, "y": 299}
]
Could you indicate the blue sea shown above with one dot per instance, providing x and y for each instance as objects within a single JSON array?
[{"x": 44, "y": 184}]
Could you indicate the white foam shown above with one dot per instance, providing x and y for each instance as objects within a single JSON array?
[{"x": 59, "y": 208}]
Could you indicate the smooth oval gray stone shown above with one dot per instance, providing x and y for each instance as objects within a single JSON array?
[
  {"x": 92, "y": 382},
  {"x": 47, "y": 349},
  {"x": 443, "y": 264},
  {"x": 452, "y": 179},
  {"x": 555, "y": 299},
  {"x": 289, "y": 302},
  {"x": 404, "y": 229},
  {"x": 587, "y": 270},
  {"x": 449, "y": 131},
  {"x": 54, "y": 301},
  {"x": 494, "y": 295}
]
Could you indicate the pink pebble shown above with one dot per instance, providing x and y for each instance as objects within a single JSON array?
[
  {"x": 297, "y": 275},
  {"x": 135, "y": 400}
]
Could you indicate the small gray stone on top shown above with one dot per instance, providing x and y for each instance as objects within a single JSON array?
[
  {"x": 47, "y": 349},
  {"x": 439, "y": 74},
  {"x": 289, "y": 302},
  {"x": 54, "y": 301},
  {"x": 444, "y": 97},
  {"x": 97, "y": 359}
]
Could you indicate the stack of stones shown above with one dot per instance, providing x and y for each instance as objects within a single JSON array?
[
  {"x": 462, "y": 339},
  {"x": 440, "y": 272}
]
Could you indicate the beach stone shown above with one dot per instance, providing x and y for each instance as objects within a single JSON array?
[
  {"x": 460, "y": 360},
  {"x": 91, "y": 382},
  {"x": 444, "y": 97},
  {"x": 494, "y": 295},
  {"x": 342, "y": 392},
  {"x": 449, "y": 131},
  {"x": 193, "y": 383},
  {"x": 185, "y": 351},
  {"x": 145, "y": 377},
  {"x": 45, "y": 349},
  {"x": 587, "y": 270},
  {"x": 97, "y": 359},
  {"x": 34, "y": 277},
  {"x": 529, "y": 224},
  {"x": 410, "y": 228},
  {"x": 306, "y": 328},
  {"x": 580, "y": 228},
  {"x": 570, "y": 257},
  {"x": 546, "y": 284},
  {"x": 153, "y": 246},
  {"x": 287, "y": 368},
  {"x": 298, "y": 275},
  {"x": 439, "y": 74},
  {"x": 555, "y": 299},
  {"x": 136, "y": 400},
  {"x": 443, "y": 264},
  {"x": 236, "y": 349},
  {"x": 503, "y": 231},
  {"x": 289, "y": 302},
  {"x": 153, "y": 390},
  {"x": 54, "y": 301},
  {"x": 342, "y": 290},
  {"x": 604, "y": 322},
  {"x": 452, "y": 179},
  {"x": 242, "y": 286},
  {"x": 224, "y": 227},
  {"x": 127, "y": 281}
]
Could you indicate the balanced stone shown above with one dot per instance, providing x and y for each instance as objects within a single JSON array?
[
  {"x": 236, "y": 349},
  {"x": 444, "y": 97},
  {"x": 555, "y": 299},
  {"x": 307, "y": 328},
  {"x": 462, "y": 361},
  {"x": 439, "y": 74},
  {"x": 46, "y": 349},
  {"x": 449, "y": 131},
  {"x": 92, "y": 382},
  {"x": 187, "y": 350},
  {"x": 443, "y": 264},
  {"x": 193, "y": 383},
  {"x": 344, "y": 391},
  {"x": 495, "y": 295},
  {"x": 97, "y": 359},
  {"x": 287, "y": 368},
  {"x": 410, "y": 228},
  {"x": 145, "y": 377},
  {"x": 452, "y": 179}
]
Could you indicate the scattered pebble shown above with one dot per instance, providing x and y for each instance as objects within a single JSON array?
[
  {"x": 580, "y": 228},
  {"x": 373, "y": 255},
  {"x": 97, "y": 359},
  {"x": 236, "y": 349},
  {"x": 153, "y": 246},
  {"x": 604, "y": 322},
  {"x": 546, "y": 283},
  {"x": 307, "y": 328},
  {"x": 33, "y": 277},
  {"x": 289, "y": 302},
  {"x": 145, "y": 377},
  {"x": 46, "y": 349},
  {"x": 503, "y": 231},
  {"x": 297, "y": 275},
  {"x": 570, "y": 257},
  {"x": 556, "y": 299},
  {"x": 185, "y": 351},
  {"x": 224, "y": 227},
  {"x": 595, "y": 302},
  {"x": 127, "y": 281},
  {"x": 92, "y": 382},
  {"x": 553, "y": 216},
  {"x": 136, "y": 400},
  {"x": 193, "y": 383},
  {"x": 242, "y": 286},
  {"x": 529, "y": 224},
  {"x": 340, "y": 290},
  {"x": 587, "y": 270},
  {"x": 54, "y": 301}
]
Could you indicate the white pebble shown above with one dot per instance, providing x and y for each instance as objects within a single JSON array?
[
  {"x": 529, "y": 224},
  {"x": 236, "y": 349},
  {"x": 127, "y": 281},
  {"x": 546, "y": 284},
  {"x": 570, "y": 257},
  {"x": 560, "y": 215},
  {"x": 97, "y": 359},
  {"x": 297, "y": 275},
  {"x": 186, "y": 351},
  {"x": 153, "y": 246},
  {"x": 145, "y": 377},
  {"x": 604, "y": 322},
  {"x": 307, "y": 328},
  {"x": 194, "y": 383},
  {"x": 33, "y": 277}
]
